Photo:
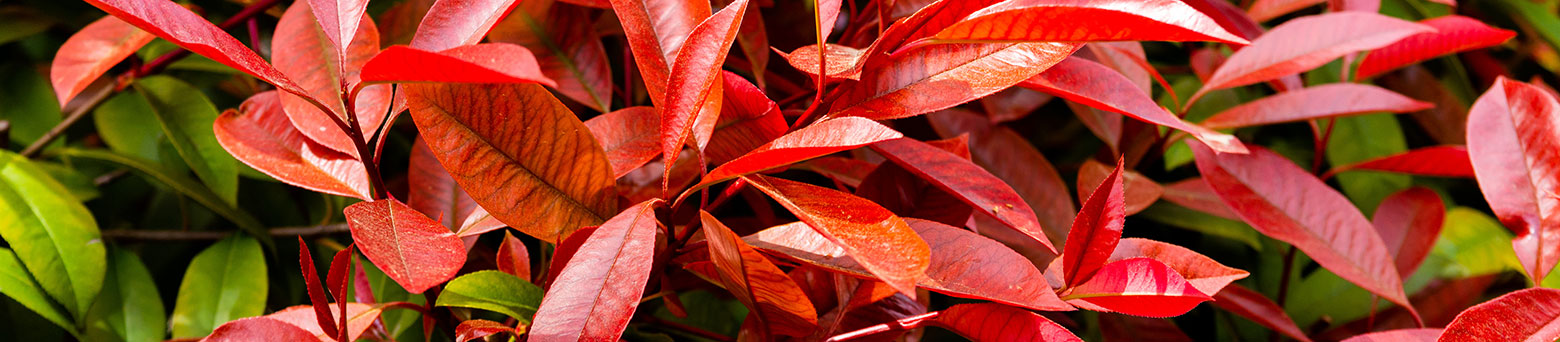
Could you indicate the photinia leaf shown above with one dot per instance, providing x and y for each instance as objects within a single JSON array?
[
  {"x": 481, "y": 63},
  {"x": 748, "y": 119},
  {"x": 907, "y": 195},
  {"x": 1137, "y": 286},
  {"x": 1286, "y": 203},
  {"x": 1409, "y": 222},
  {"x": 311, "y": 282},
  {"x": 310, "y": 57},
  {"x": 452, "y": 23},
  {"x": 694, "y": 72},
  {"x": 259, "y": 134},
  {"x": 414, "y": 250},
  {"x": 828, "y": 12},
  {"x": 1194, "y": 193},
  {"x": 359, "y": 318},
  {"x": 937, "y": 77},
  {"x": 757, "y": 283},
  {"x": 1319, "y": 102},
  {"x": 493, "y": 291},
  {"x": 259, "y": 329},
  {"x": 1400, "y": 335},
  {"x": 479, "y": 222},
  {"x": 220, "y": 285},
  {"x": 1110, "y": 20},
  {"x": 1013, "y": 104},
  {"x": 927, "y": 19},
  {"x": 1096, "y": 230},
  {"x": 564, "y": 251},
  {"x": 996, "y": 322},
  {"x": 1453, "y": 33},
  {"x": 1095, "y": 85},
  {"x": 336, "y": 281},
  {"x": 53, "y": 234},
  {"x": 1265, "y": 10},
  {"x": 629, "y": 136},
  {"x": 842, "y": 59},
  {"x": 1140, "y": 192},
  {"x": 519, "y": 153},
  {"x": 877, "y": 239},
  {"x": 19, "y": 286},
  {"x": 185, "y": 116},
  {"x": 1205, "y": 274},
  {"x": 596, "y": 293},
  {"x": 815, "y": 140},
  {"x": 1009, "y": 156},
  {"x": 966, "y": 181},
  {"x": 513, "y": 258},
  {"x": 570, "y": 50},
  {"x": 168, "y": 20},
  {"x": 1513, "y": 135},
  {"x": 753, "y": 39},
  {"x": 1254, "y": 306},
  {"x": 1442, "y": 161},
  {"x": 656, "y": 30},
  {"x": 1524, "y": 315},
  {"x": 91, "y": 52},
  {"x": 1229, "y": 17},
  {"x": 479, "y": 328},
  {"x": 432, "y": 192},
  {"x": 1308, "y": 42},
  {"x": 338, "y": 20}
]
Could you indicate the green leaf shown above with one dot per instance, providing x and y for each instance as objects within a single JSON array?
[
  {"x": 493, "y": 291},
  {"x": 1179, "y": 216},
  {"x": 52, "y": 233},
  {"x": 225, "y": 282},
  {"x": 80, "y": 186},
  {"x": 1537, "y": 16},
  {"x": 1358, "y": 138},
  {"x": 178, "y": 183},
  {"x": 1473, "y": 244},
  {"x": 127, "y": 125},
  {"x": 29, "y": 104},
  {"x": 129, "y": 309},
  {"x": 707, "y": 311},
  {"x": 17, "y": 284},
  {"x": 186, "y": 117},
  {"x": 386, "y": 290},
  {"x": 17, "y": 22}
]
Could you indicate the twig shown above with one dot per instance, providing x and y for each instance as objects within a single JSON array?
[
  {"x": 176, "y": 235},
  {"x": 98, "y": 93}
]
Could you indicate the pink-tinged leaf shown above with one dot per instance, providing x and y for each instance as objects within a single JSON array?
[
  {"x": 568, "y": 49},
  {"x": 842, "y": 59},
  {"x": 311, "y": 280},
  {"x": 411, "y": 248},
  {"x": 758, "y": 283},
  {"x": 694, "y": 72},
  {"x": 596, "y": 293},
  {"x": 479, "y": 328},
  {"x": 1137, "y": 286},
  {"x": 1195, "y": 194},
  {"x": 1319, "y": 102},
  {"x": 259, "y": 329},
  {"x": 91, "y": 52},
  {"x": 962, "y": 264},
  {"x": 1400, "y": 335},
  {"x": 815, "y": 140},
  {"x": 260, "y": 135},
  {"x": 880, "y": 241},
  {"x": 937, "y": 77},
  {"x": 1095, "y": 85},
  {"x": 1441, "y": 161},
  {"x": 1129, "y": 59},
  {"x": 629, "y": 137},
  {"x": 168, "y": 20},
  {"x": 1205, "y": 274},
  {"x": 481, "y": 63},
  {"x": 996, "y": 322},
  {"x": 339, "y": 20},
  {"x": 1040, "y": 20},
  {"x": 432, "y": 192},
  {"x": 1453, "y": 33},
  {"x": 479, "y": 222},
  {"x": 565, "y": 251},
  {"x": 828, "y": 11},
  {"x": 969, "y": 183},
  {"x": 1526, "y": 315},
  {"x": 513, "y": 258},
  {"x": 1514, "y": 144},
  {"x": 1308, "y": 42},
  {"x": 519, "y": 153},
  {"x": 1254, "y": 306},
  {"x": 1229, "y": 17},
  {"x": 1140, "y": 191},
  {"x": 304, "y": 53},
  {"x": 1096, "y": 230},
  {"x": 1287, "y": 203},
  {"x": 1009, "y": 156},
  {"x": 748, "y": 119},
  {"x": 1447, "y": 122},
  {"x": 847, "y": 171},
  {"x": 359, "y": 318},
  {"x": 1264, "y": 10},
  {"x": 452, "y": 23},
  {"x": 1409, "y": 222},
  {"x": 656, "y": 30}
]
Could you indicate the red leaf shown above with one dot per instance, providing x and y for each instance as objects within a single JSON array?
[
  {"x": 1440, "y": 302},
  {"x": 842, "y": 60},
  {"x": 1109, "y": 20},
  {"x": 513, "y": 258},
  {"x": 848, "y": 171},
  {"x": 412, "y": 249},
  {"x": 1513, "y": 141},
  {"x": 1409, "y": 222},
  {"x": 432, "y": 192},
  {"x": 570, "y": 50},
  {"x": 815, "y": 140},
  {"x": 907, "y": 195},
  {"x": 1525, "y": 315},
  {"x": 694, "y": 72},
  {"x": 1096, "y": 230},
  {"x": 1194, "y": 193},
  {"x": 1308, "y": 42},
  {"x": 1453, "y": 33},
  {"x": 1265, "y": 10},
  {"x": 1231, "y": 18},
  {"x": 1009, "y": 156},
  {"x": 748, "y": 119},
  {"x": 828, "y": 12},
  {"x": 1318, "y": 102},
  {"x": 310, "y": 57},
  {"x": 881, "y": 242},
  {"x": 259, "y": 329},
  {"x": 359, "y": 318},
  {"x": 339, "y": 19},
  {"x": 260, "y": 135},
  {"x": 565, "y": 251},
  {"x": 452, "y": 23},
  {"x": 941, "y": 76},
  {"x": 91, "y": 52},
  {"x": 1140, "y": 192},
  {"x": 479, "y": 328},
  {"x": 629, "y": 137},
  {"x": 336, "y": 281},
  {"x": 757, "y": 283},
  {"x": 1205, "y": 274},
  {"x": 595, "y": 295},
  {"x": 1443, "y": 161},
  {"x": 519, "y": 153},
  {"x": 311, "y": 281},
  {"x": 969, "y": 183},
  {"x": 1254, "y": 306},
  {"x": 481, "y": 63},
  {"x": 1096, "y": 85},
  {"x": 1400, "y": 335},
  {"x": 1125, "y": 328},
  {"x": 656, "y": 30},
  {"x": 962, "y": 264},
  {"x": 1137, "y": 286},
  {"x": 172, "y": 22},
  {"x": 996, "y": 322},
  {"x": 1286, "y": 203},
  {"x": 1013, "y": 103}
]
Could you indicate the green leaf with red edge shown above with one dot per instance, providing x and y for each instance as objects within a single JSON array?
[
  {"x": 629, "y": 136},
  {"x": 1513, "y": 138},
  {"x": 481, "y": 63},
  {"x": 340, "y": 19},
  {"x": 815, "y": 140},
  {"x": 168, "y": 20},
  {"x": 311, "y": 281},
  {"x": 259, "y": 134},
  {"x": 1009, "y": 156},
  {"x": 1205, "y": 274},
  {"x": 452, "y": 23},
  {"x": 1305, "y": 43},
  {"x": 519, "y": 153},
  {"x": 570, "y": 51},
  {"x": 1400, "y": 335},
  {"x": 1441, "y": 161},
  {"x": 656, "y": 30},
  {"x": 962, "y": 264},
  {"x": 1096, "y": 230},
  {"x": 306, "y": 54},
  {"x": 1287, "y": 203},
  {"x": 1140, "y": 191},
  {"x": 967, "y": 182},
  {"x": 359, "y": 318},
  {"x": 937, "y": 77},
  {"x": 1109, "y": 20},
  {"x": 996, "y": 322},
  {"x": 1409, "y": 222},
  {"x": 432, "y": 192},
  {"x": 1453, "y": 33},
  {"x": 1136, "y": 286},
  {"x": 748, "y": 119},
  {"x": 1311, "y": 103},
  {"x": 1095, "y": 85},
  {"x": 758, "y": 283},
  {"x": 513, "y": 258},
  {"x": 596, "y": 293},
  {"x": 1254, "y": 306},
  {"x": 694, "y": 73},
  {"x": 91, "y": 52},
  {"x": 478, "y": 328},
  {"x": 259, "y": 329},
  {"x": 878, "y": 240},
  {"x": 411, "y": 248},
  {"x": 1524, "y": 315}
]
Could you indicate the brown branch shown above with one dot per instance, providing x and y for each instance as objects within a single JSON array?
[{"x": 179, "y": 235}]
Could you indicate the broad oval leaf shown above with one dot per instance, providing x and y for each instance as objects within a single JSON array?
[
  {"x": 1409, "y": 222},
  {"x": 1205, "y": 274},
  {"x": 1442, "y": 161},
  {"x": 53, "y": 235},
  {"x": 452, "y": 23},
  {"x": 1513, "y": 137},
  {"x": 629, "y": 137},
  {"x": 1400, "y": 335},
  {"x": 259, "y": 329},
  {"x": 967, "y": 182},
  {"x": 768, "y": 292},
  {"x": 310, "y": 57},
  {"x": 20, "y": 287},
  {"x": 1096, "y": 85},
  {"x": 494, "y": 291},
  {"x": 187, "y": 117},
  {"x": 748, "y": 119},
  {"x": 996, "y": 322},
  {"x": 596, "y": 293},
  {"x": 571, "y": 52},
  {"x": 1096, "y": 230},
  {"x": 1308, "y": 42},
  {"x": 941, "y": 76},
  {"x": 1525, "y": 315},
  {"x": 91, "y": 52},
  {"x": 481, "y": 63},
  {"x": 260, "y": 135},
  {"x": 1254, "y": 306},
  {"x": 1137, "y": 286},
  {"x": 170, "y": 21},
  {"x": 656, "y": 30},
  {"x": 129, "y": 308},
  {"x": 815, "y": 140},
  {"x": 519, "y": 153},
  {"x": 223, "y": 283},
  {"x": 1323, "y": 101},
  {"x": 694, "y": 73},
  {"x": 414, "y": 250},
  {"x": 1453, "y": 33},
  {"x": 1140, "y": 191},
  {"x": 1109, "y": 20}
]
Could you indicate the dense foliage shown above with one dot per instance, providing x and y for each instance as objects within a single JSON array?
[{"x": 648, "y": 170}]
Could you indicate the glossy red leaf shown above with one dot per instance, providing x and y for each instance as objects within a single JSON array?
[
  {"x": 564, "y": 251},
  {"x": 260, "y": 135},
  {"x": 1441, "y": 161},
  {"x": 1409, "y": 222},
  {"x": 596, "y": 293},
  {"x": 1265, "y": 10},
  {"x": 1096, "y": 230},
  {"x": 842, "y": 60},
  {"x": 1258, "y": 308},
  {"x": 172, "y": 22},
  {"x": 481, "y": 63},
  {"x": 848, "y": 171},
  {"x": 480, "y": 221},
  {"x": 996, "y": 322},
  {"x": 1525, "y": 315},
  {"x": 1231, "y": 18},
  {"x": 629, "y": 137},
  {"x": 967, "y": 182},
  {"x": 828, "y": 12},
  {"x": 259, "y": 329},
  {"x": 962, "y": 264},
  {"x": 513, "y": 258},
  {"x": 748, "y": 119},
  {"x": 1287, "y": 203},
  {"x": 1318, "y": 102},
  {"x": 91, "y": 52},
  {"x": 1514, "y": 144},
  {"x": 1109, "y": 20},
  {"x": 1009, "y": 156},
  {"x": 656, "y": 30},
  {"x": 336, "y": 281},
  {"x": 519, "y": 153},
  {"x": 758, "y": 283},
  {"x": 1013, "y": 103},
  {"x": 694, "y": 72},
  {"x": 307, "y": 55},
  {"x": 1137, "y": 286},
  {"x": 1400, "y": 335},
  {"x": 815, "y": 140},
  {"x": 880, "y": 241},
  {"x": 410, "y": 248},
  {"x": 1308, "y": 42},
  {"x": 432, "y": 192},
  {"x": 1453, "y": 33},
  {"x": 1195, "y": 194},
  {"x": 1095, "y": 85},
  {"x": 937, "y": 77},
  {"x": 452, "y": 23},
  {"x": 311, "y": 281},
  {"x": 568, "y": 49},
  {"x": 339, "y": 20},
  {"x": 1129, "y": 59},
  {"x": 479, "y": 328},
  {"x": 1205, "y": 274},
  {"x": 359, "y": 318},
  {"x": 1140, "y": 192},
  {"x": 907, "y": 195}
]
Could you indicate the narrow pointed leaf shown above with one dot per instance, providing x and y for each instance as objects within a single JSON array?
[
  {"x": 1037, "y": 20},
  {"x": 1095, "y": 85},
  {"x": 1525, "y": 315},
  {"x": 1012, "y": 158},
  {"x": 1323, "y": 101},
  {"x": 1453, "y": 33},
  {"x": 1513, "y": 138},
  {"x": 259, "y": 329},
  {"x": 1400, "y": 335},
  {"x": 694, "y": 72},
  {"x": 596, "y": 293},
  {"x": 656, "y": 30},
  {"x": 260, "y": 135},
  {"x": 758, "y": 283},
  {"x": 1255, "y": 307},
  {"x": 414, "y": 250},
  {"x": 1096, "y": 230},
  {"x": 336, "y": 281},
  {"x": 452, "y": 23},
  {"x": 815, "y": 140},
  {"x": 479, "y": 328},
  {"x": 432, "y": 192},
  {"x": 339, "y": 20},
  {"x": 311, "y": 58},
  {"x": 220, "y": 285},
  {"x": 748, "y": 119},
  {"x": 1441, "y": 161},
  {"x": 19, "y": 286},
  {"x": 1195, "y": 194},
  {"x": 481, "y": 63},
  {"x": 996, "y": 322},
  {"x": 1138, "y": 286},
  {"x": 1140, "y": 192},
  {"x": 1409, "y": 222},
  {"x": 1205, "y": 274},
  {"x": 941, "y": 76},
  {"x": 568, "y": 49},
  {"x": 129, "y": 308},
  {"x": 513, "y": 258},
  {"x": 54, "y": 236},
  {"x": 493, "y": 291},
  {"x": 359, "y": 318},
  {"x": 841, "y": 60},
  {"x": 1308, "y": 42},
  {"x": 179, "y": 25},
  {"x": 185, "y": 116},
  {"x": 629, "y": 136},
  {"x": 966, "y": 181},
  {"x": 91, "y": 52},
  {"x": 316, "y": 290}
]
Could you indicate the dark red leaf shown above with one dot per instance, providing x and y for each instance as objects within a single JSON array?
[
  {"x": 996, "y": 322},
  {"x": 1308, "y": 42},
  {"x": 1195, "y": 194},
  {"x": 815, "y": 140},
  {"x": 337, "y": 280},
  {"x": 259, "y": 329},
  {"x": 409, "y": 247},
  {"x": 1323, "y": 101},
  {"x": 1126, "y": 328},
  {"x": 1265, "y": 10},
  {"x": 452, "y": 23},
  {"x": 629, "y": 136},
  {"x": 569, "y": 51},
  {"x": 1442, "y": 161},
  {"x": 1096, "y": 85},
  {"x": 757, "y": 283},
  {"x": 432, "y": 192},
  {"x": 172, "y": 22},
  {"x": 1205, "y": 274},
  {"x": 513, "y": 258},
  {"x": 1140, "y": 191},
  {"x": 1400, "y": 335},
  {"x": 907, "y": 195},
  {"x": 966, "y": 181},
  {"x": 1136, "y": 286},
  {"x": 695, "y": 74},
  {"x": 1512, "y": 143},
  {"x": 479, "y": 328},
  {"x": 596, "y": 293},
  {"x": 481, "y": 63},
  {"x": 1009, "y": 156},
  {"x": 1109, "y": 20},
  {"x": 1409, "y": 222},
  {"x": 1096, "y": 230},
  {"x": 1453, "y": 33},
  {"x": 1525, "y": 315},
  {"x": 311, "y": 281},
  {"x": 1254, "y": 306},
  {"x": 656, "y": 30},
  {"x": 260, "y": 135},
  {"x": 91, "y": 52},
  {"x": 748, "y": 119},
  {"x": 941, "y": 76},
  {"x": 1013, "y": 103}
]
